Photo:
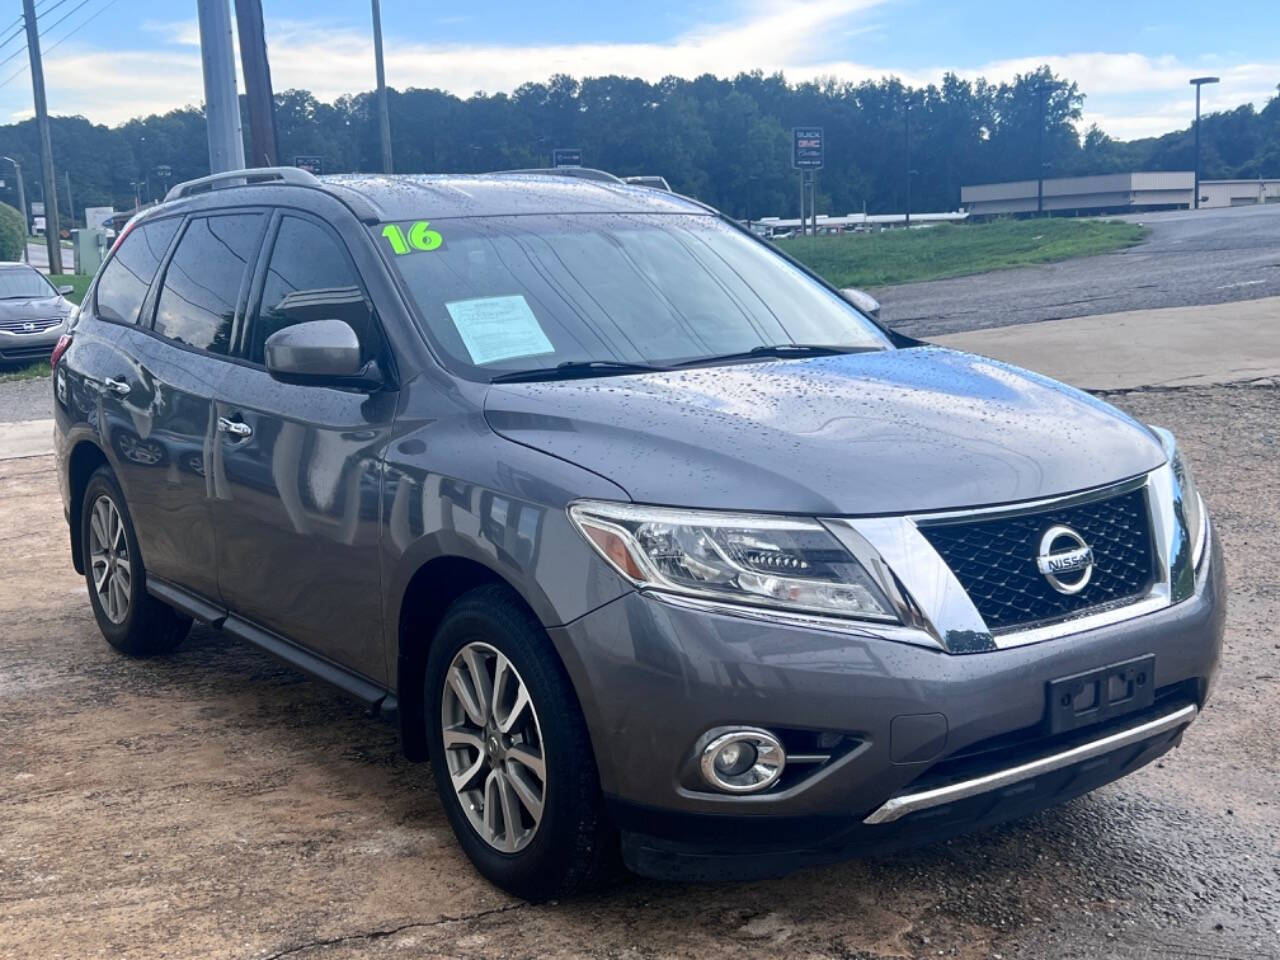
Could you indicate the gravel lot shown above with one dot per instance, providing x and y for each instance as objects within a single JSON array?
[
  {"x": 1213, "y": 256},
  {"x": 26, "y": 400},
  {"x": 216, "y": 804}
]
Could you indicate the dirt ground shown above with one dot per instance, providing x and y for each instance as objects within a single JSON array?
[{"x": 216, "y": 804}]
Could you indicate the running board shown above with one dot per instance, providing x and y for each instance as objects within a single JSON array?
[{"x": 899, "y": 807}]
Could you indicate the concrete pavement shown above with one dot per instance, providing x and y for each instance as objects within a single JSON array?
[
  {"x": 26, "y": 438},
  {"x": 1171, "y": 347}
]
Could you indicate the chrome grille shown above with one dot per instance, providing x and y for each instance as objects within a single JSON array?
[
  {"x": 995, "y": 559},
  {"x": 38, "y": 325}
]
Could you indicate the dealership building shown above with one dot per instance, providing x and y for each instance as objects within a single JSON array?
[{"x": 1115, "y": 193}]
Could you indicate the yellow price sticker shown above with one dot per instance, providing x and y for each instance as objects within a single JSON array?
[{"x": 420, "y": 238}]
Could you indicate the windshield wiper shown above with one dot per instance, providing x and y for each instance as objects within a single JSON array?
[
  {"x": 780, "y": 350},
  {"x": 576, "y": 368}
]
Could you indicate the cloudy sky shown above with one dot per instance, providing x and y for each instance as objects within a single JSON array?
[{"x": 115, "y": 59}]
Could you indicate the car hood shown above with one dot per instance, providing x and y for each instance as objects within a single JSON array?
[
  {"x": 889, "y": 432},
  {"x": 32, "y": 307}
]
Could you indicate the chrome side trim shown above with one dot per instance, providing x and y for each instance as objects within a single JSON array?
[{"x": 897, "y": 807}]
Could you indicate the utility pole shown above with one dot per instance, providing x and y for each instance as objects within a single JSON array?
[
  {"x": 257, "y": 84},
  {"x": 1199, "y": 82},
  {"x": 384, "y": 116},
  {"x": 52, "y": 237},
  {"x": 221, "y": 104},
  {"x": 22, "y": 205},
  {"x": 71, "y": 207}
]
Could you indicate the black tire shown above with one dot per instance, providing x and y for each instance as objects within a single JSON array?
[
  {"x": 573, "y": 848},
  {"x": 149, "y": 627}
]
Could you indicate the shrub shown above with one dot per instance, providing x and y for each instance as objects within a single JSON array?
[{"x": 13, "y": 233}]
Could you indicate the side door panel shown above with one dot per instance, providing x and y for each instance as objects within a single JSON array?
[
  {"x": 151, "y": 423},
  {"x": 297, "y": 481},
  {"x": 169, "y": 432}
]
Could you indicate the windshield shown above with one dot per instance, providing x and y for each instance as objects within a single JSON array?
[
  {"x": 506, "y": 294},
  {"x": 22, "y": 283}
]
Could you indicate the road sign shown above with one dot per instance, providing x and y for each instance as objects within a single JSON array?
[
  {"x": 566, "y": 158},
  {"x": 806, "y": 148},
  {"x": 311, "y": 164}
]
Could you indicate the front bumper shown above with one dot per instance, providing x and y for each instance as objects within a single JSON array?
[
  {"x": 654, "y": 676},
  {"x": 29, "y": 347}
]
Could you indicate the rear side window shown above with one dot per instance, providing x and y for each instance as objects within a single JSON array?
[
  {"x": 197, "y": 304},
  {"x": 309, "y": 277},
  {"x": 124, "y": 282}
]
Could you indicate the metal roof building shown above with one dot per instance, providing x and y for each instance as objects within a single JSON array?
[{"x": 1106, "y": 192}]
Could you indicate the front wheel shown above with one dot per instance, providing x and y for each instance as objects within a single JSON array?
[{"x": 510, "y": 750}]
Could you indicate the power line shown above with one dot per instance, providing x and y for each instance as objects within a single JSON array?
[
  {"x": 46, "y": 9},
  {"x": 67, "y": 36},
  {"x": 83, "y": 23},
  {"x": 19, "y": 25},
  {"x": 65, "y": 16}
]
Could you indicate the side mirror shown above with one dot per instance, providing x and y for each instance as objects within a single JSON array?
[
  {"x": 66, "y": 288},
  {"x": 322, "y": 353},
  {"x": 864, "y": 301}
]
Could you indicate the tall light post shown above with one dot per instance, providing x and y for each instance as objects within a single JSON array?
[
  {"x": 1199, "y": 82},
  {"x": 384, "y": 115},
  {"x": 22, "y": 203}
]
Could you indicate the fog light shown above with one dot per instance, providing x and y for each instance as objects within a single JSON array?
[{"x": 743, "y": 760}]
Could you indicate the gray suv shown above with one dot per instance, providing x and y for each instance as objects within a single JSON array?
[{"x": 652, "y": 542}]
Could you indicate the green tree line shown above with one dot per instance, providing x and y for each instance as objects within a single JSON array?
[{"x": 726, "y": 141}]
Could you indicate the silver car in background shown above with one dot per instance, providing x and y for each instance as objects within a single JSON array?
[{"x": 33, "y": 314}]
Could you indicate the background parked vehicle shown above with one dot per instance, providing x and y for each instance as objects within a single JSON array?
[{"x": 33, "y": 314}]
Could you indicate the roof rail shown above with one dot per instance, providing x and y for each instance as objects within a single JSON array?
[
  {"x": 581, "y": 173},
  {"x": 245, "y": 177}
]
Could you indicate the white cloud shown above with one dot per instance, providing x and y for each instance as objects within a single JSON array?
[{"x": 1128, "y": 94}]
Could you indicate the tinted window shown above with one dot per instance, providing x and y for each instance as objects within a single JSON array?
[
  {"x": 198, "y": 301},
  {"x": 310, "y": 278},
  {"x": 124, "y": 282},
  {"x": 500, "y": 294}
]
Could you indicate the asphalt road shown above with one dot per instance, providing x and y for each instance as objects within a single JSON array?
[
  {"x": 1191, "y": 258},
  {"x": 216, "y": 804}
]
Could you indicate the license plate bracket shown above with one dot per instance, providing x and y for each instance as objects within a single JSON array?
[{"x": 1100, "y": 695}]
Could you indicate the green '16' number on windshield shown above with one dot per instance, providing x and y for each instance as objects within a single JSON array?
[{"x": 421, "y": 237}]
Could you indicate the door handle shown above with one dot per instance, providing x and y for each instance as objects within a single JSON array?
[
  {"x": 120, "y": 387},
  {"x": 235, "y": 428}
]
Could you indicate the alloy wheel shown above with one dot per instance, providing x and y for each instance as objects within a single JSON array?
[
  {"x": 109, "y": 559},
  {"x": 493, "y": 747}
]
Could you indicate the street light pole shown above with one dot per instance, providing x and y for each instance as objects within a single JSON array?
[
  {"x": 22, "y": 205},
  {"x": 222, "y": 104},
  {"x": 384, "y": 115},
  {"x": 1199, "y": 82}
]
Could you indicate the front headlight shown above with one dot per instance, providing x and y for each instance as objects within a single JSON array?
[
  {"x": 788, "y": 563},
  {"x": 1192, "y": 505}
]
